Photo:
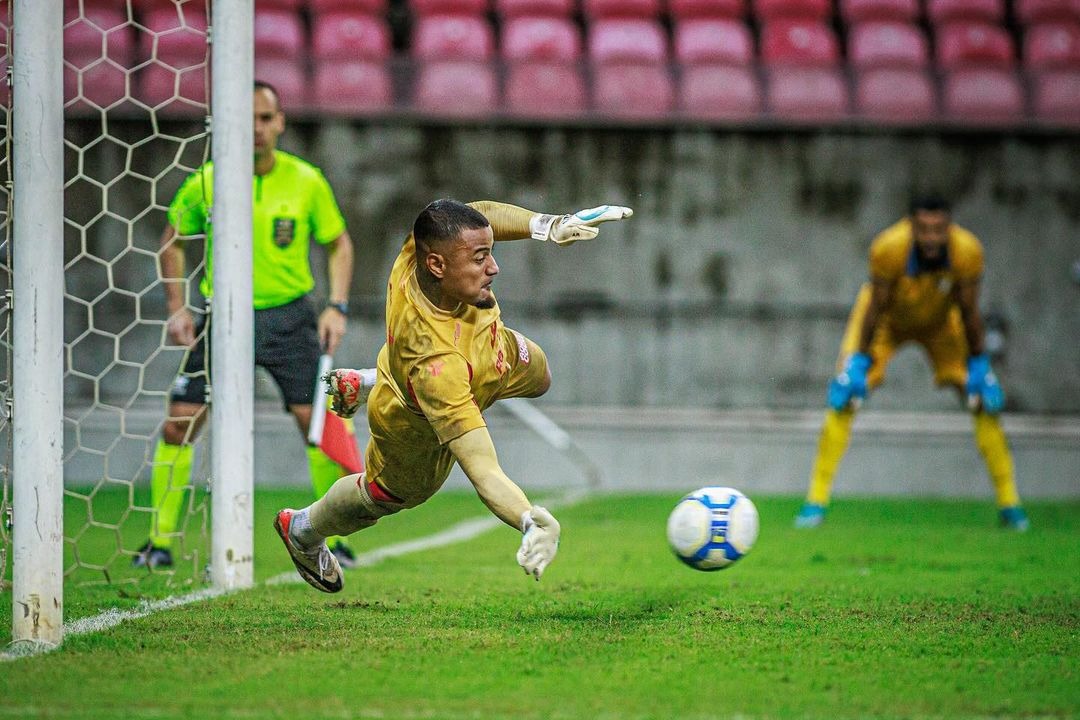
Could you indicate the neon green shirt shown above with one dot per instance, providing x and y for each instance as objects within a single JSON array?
[{"x": 291, "y": 204}]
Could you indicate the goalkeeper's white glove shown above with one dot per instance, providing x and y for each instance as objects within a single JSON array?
[
  {"x": 540, "y": 541},
  {"x": 582, "y": 225},
  {"x": 348, "y": 389}
]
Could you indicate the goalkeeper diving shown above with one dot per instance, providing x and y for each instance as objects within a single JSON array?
[{"x": 447, "y": 358}]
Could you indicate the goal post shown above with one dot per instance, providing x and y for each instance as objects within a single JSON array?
[{"x": 37, "y": 316}]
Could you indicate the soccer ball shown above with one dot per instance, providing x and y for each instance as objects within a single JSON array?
[{"x": 711, "y": 528}]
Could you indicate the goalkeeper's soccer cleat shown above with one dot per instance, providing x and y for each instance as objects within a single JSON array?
[
  {"x": 344, "y": 555},
  {"x": 316, "y": 565},
  {"x": 1014, "y": 518},
  {"x": 348, "y": 389},
  {"x": 810, "y": 515},
  {"x": 153, "y": 557}
]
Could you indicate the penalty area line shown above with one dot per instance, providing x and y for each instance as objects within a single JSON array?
[{"x": 459, "y": 532}]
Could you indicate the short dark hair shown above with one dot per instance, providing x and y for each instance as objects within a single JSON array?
[
  {"x": 929, "y": 203},
  {"x": 263, "y": 85},
  {"x": 444, "y": 220}
]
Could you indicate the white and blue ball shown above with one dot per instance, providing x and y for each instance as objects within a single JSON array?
[{"x": 711, "y": 528}]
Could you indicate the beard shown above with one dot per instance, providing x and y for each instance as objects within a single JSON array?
[{"x": 485, "y": 304}]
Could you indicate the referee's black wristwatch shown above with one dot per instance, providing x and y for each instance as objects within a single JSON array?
[{"x": 342, "y": 307}]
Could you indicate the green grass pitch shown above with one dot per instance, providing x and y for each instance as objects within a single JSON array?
[{"x": 893, "y": 609}]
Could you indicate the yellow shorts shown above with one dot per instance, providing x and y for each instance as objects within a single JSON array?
[{"x": 945, "y": 344}]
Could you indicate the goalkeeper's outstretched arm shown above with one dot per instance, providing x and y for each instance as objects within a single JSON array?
[
  {"x": 475, "y": 452},
  {"x": 510, "y": 222}
]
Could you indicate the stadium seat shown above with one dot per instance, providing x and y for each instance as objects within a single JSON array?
[
  {"x": 175, "y": 36},
  {"x": 895, "y": 96},
  {"x": 1052, "y": 46},
  {"x": 85, "y": 32},
  {"x": 623, "y": 40},
  {"x": 541, "y": 38},
  {"x": 856, "y": 11},
  {"x": 798, "y": 94},
  {"x": 367, "y": 7},
  {"x": 713, "y": 41},
  {"x": 349, "y": 36},
  {"x": 691, "y": 9},
  {"x": 351, "y": 86},
  {"x": 770, "y": 10},
  {"x": 170, "y": 91},
  {"x": 1030, "y": 12},
  {"x": 5, "y": 91},
  {"x": 594, "y": 9},
  {"x": 102, "y": 83},
  {"x": 719, "y": 92},
  {"x": 545, "y": 90},
  {"x": 947, "y": 11},
  {"x": 629, "y": 91},
  {"x": 278, "y": 34},
  {"x": 458, "y": 88},
  {"x": 453, "y": 37},
  {"x": 887, "y": 44},
  {"x": 804, "y": 43},
  {"x": 535, "y": 8},
  {"x": 961, "y": 45},
  {"x": 288, "y": 77},
  {"x": 980, "y": 96},
  {"x": 290, "y": 5},
  {"x": 1056, "y": 98},
  {"x": 424, "y": 8}
]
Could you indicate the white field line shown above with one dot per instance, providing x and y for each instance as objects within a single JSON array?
[{"x": 462, "y": 531}]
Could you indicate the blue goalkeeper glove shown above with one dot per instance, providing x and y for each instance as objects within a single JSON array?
[
  {"x": 849, "y": 387},
  {"x": 582, "y": 225},
  {"x": 983, "y": 388}
]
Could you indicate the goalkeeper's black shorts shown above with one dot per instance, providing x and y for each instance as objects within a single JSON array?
[{"x": 286, "y": 345}]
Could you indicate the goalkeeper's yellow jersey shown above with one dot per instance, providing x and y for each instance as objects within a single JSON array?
[
  {"x": 438, "y": 371},
  {"x": 923, "y": 298}
]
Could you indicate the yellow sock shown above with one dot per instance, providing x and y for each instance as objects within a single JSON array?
[
  {"x": 990, "y": 439},
  {"x": 324, "y": 473},
  {"x": 171, "y": 475},
  {"x": 832, "y": 443}
]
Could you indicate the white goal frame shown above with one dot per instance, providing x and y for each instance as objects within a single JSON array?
[{"x": 37, "y": 311}]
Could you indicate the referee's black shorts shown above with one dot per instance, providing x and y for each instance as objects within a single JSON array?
[{"x": 286, "y": 345}]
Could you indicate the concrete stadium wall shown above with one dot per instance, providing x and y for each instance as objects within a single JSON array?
[{"x": 729, "y": 288}]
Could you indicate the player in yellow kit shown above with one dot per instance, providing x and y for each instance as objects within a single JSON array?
[
  {"x": 447, "y": 358},
  {"x": 924, "y": 285}
]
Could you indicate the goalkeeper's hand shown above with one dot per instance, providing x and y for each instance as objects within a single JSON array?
[
  {"x": 848, "y": 389},
  {"x": 582, "y": 225},
  {"x": 540, "y": 541},
  {"x": 983, "y": 389},
  {"x": 348, "y": 389}
]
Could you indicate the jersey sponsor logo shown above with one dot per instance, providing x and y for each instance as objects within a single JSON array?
[
  {"x": 523, "y": 347},
  {"x": 284, "y": 231}
]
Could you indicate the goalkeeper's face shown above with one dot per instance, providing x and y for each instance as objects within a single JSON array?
[
  {"x": 931, "y": 231},
  {"x": 469, "y": 268}
]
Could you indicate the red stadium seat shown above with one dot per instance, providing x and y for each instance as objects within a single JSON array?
[
  {"x": 769, "y": 10},
  {"x": 799, "y": 94},
  {"x": 713, "y": 42},
  {"x": 1056, "y": 98},
  {"x": 278, "y": 34},
  {"x": 639, "y": 92},
  {"x": 687, "y": 9},
  {"x": 98, "y": 32},
  {"x": 1029, "y": 12},
  {"x": 5, "y": 91},
  {"x": 945, "y": 11},
  {"x": 351, "y": 86},
  {"x": 974, "y": 45},
  {"x": 290, "y": 5},
  {"x": 895, "y": 96},
  {"x": 983, "y": 96},
  {"x": 545, "y": 90},
  {"x": 622, "y": 40},
  {"x": 1052, "y": 46},
  {"x": 92, "y": 82},
  {"x": 456, "y": 88},
  {"x": 367, "y": 7},
  {"x": 856, "y": 11},
  {"x": 288, "y": 77},
  {"x": 172, "y": 91},
  {"x": 176, "y": 36},
  {"x": 453, "y": 37},
  {"x": 799, "y": 42},
  {"x": 349, "y": 36},
  {"x": 719, "y": 92},
  {"x": 620, "y": 8},
  {"x": 424, "y": 8},
  {"x": 535, "y": 8},
  {"x": 541, "y": 38},
  {"x": 887, "y": 44}
]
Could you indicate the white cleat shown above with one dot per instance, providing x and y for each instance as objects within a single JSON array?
[
  {"x": 348, "y": 389},
  {"x": 318, "y": 566}
]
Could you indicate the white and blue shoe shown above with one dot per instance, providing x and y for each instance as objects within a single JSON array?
[
  {"x": 810, "y": 515},
  {"x": 1014, "y": 518}
]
